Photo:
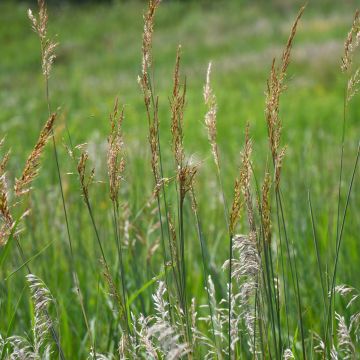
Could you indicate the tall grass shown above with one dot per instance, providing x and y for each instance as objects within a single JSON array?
[{"x": 145, "y": 305}]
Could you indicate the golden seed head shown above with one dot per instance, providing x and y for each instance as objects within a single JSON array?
[
  {"x": 177, "y": 113},
  {"x": 185, "y": 178},
  {"x": 146, "y": 47},
  {"x": 6, "y": 218},
  {"x": 115, "y": 152},
  {"x": 351, "y": 43},
  {"x": 265, "y": 207},
  {"x": 39, "y": 25},
  {"x": 173, "y": 241},
  {"x": 276, "y": 85},
  {"x": 31, "y": 170},
  {"x": 85, "y": 180},
  {"x": 242, "y": 186},
  {"x": 154, "y": 143}
]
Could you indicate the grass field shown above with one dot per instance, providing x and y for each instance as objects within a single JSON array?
[{"x": 99, "y": 57}]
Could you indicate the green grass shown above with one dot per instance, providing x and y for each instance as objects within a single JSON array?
[{"x": 99, "y": 57}]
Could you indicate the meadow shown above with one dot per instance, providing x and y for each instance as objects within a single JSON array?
[{"x": 140, "y": 241}]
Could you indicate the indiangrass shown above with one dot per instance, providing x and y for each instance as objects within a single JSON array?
[{"x": 145, "y": 306}]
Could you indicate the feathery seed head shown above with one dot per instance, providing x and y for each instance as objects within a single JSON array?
[
  {"x": 85, "y": 180},
  {"x": 278, "y": 165},
  {"x": 245, "y": 177},
  {"x": 42, "y": 299},
  {"x": 186, "y": 176},
  {"x": 6, "y": 218},
  {"x": 287, "y": 51},
  {"x": 242, "y": 186},
  {"x": 353, "y": 85},
  {"x": 265, "y": 208},
  {"x": 288, "y": 355},
  {"x": 177, "y": 113},
  {"x": 173, "y": 241},
  {"x": 236, "y": 206},
  {"x": 351, "y": 43},
  {"x": 345, "y": 343},
  {"x": 31, "y": 170},
  {"x": 39, "y": 25},
  {"x": 210, "y": 116},
  {"x": 115, "y": 158},
  {"x": 154, "y": 144},
  {"x": 276, "y": 85},
  {"x": 146, "y": 48}
]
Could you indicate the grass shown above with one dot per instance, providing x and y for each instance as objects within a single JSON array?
[{"x": 98, "y": 60}]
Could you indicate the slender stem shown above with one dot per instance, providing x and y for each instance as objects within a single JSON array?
[
  {"x": 317, "y": 255},
  {"x": 296, "y": 283},
  {"x": 333, "y": 280},
  {"x": 331, "y": 312},
  {"x": 120, "y": 256},
  {"x": 88, "y": 205},
  {"x": 229, "y": 296}
]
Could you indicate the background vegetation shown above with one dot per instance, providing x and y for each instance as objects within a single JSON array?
[{"x": 98, "y": 58}]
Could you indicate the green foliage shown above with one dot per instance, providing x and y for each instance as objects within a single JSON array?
[{"x": 99, "y": 57}]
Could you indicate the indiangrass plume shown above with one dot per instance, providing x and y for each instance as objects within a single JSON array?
[
  {"x": 245, "y": 178},
  {"x": 210, "y": 116},
  {"x": 39, "y": 25},
  {"x": 85, "y": 179},
  {"x": 31, "y": 170},
  {"x": 177, "y": 114},
  {"x": 115, "y": 158},
  {"x": 151, "y": 104},
  {"x": 4, "y": 159},
  {"x": 154, "y": 147},
  {"x": 265, "y": 207},
  {"x": 351, "y": 43},
  {"x": 236, "y": 206},
  {"x": 276, "y": 85},
  {"x": 5, "y": 214},
  {"x": 242, "y": 186},
  {"x": 144, "y": 80},
  {"x": 174, "y": 247}
]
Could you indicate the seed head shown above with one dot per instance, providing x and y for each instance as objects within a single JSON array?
[
  {"x": 115, "y": 158},
  {"x": 210, "y": 117},
  {"x": 31, "y": 170}
]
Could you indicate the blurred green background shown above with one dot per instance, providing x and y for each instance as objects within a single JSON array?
[{"x": 99, "y": 58}]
